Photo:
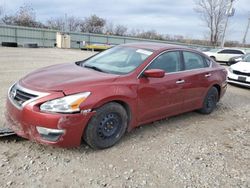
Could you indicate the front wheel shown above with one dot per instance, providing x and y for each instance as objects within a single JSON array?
[
  {"x": 210, "y": 101},
  {"x": 107, "y": 126}
]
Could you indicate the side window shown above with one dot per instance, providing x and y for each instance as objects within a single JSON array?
[
  {"x": 228, "y": 51},
  {"x": 237, "y": 52},
  {"x": 193, "y": 61},
  {"x": 224, "y": 52},
  {"x": 169, "y": 62},
  {"x": 208, "y": 62}
]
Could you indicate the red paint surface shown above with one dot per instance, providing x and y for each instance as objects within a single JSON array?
[{"x": 148, "y": 99}]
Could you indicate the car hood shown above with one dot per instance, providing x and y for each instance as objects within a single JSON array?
[
  {"x": 242, "y": 67},
  {"x": 64, "y": 77}
]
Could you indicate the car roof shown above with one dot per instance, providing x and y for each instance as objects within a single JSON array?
[
  {"x": 153, "y": 46},
  {"x": 233, "y": 49}
]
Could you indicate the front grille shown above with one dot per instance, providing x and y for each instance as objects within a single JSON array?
[
  {"x": 18, "y": 96},
  {"x": 241, "y": 73}
]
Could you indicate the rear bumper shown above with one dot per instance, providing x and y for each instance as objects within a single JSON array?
[{"x": 25, "y": 122}]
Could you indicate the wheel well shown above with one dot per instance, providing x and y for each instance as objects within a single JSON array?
[
  {"x": 126, "y": 107},
  {"x": 212, "y": 57},
  {"x": 218, "y": 89}
]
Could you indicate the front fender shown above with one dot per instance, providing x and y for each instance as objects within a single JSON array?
[{"x": 125, "y": 95}]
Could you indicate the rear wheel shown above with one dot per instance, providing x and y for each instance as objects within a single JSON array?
[
  {"x": 210, "y": 101},
  {"x": 107, "y": 126}
]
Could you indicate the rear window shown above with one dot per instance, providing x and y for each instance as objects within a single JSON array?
[{"x": 193, "y": 61}]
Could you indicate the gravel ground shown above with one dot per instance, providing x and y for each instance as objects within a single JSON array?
[{"x": 189, "y": 150}]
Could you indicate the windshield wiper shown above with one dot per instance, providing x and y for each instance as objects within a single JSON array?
[{"x": 94, "y": 68}]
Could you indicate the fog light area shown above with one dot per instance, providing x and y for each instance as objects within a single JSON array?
[{"x": 51, "y": 135}]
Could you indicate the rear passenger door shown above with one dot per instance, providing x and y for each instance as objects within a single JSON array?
[{"x": 197, "y": 76}]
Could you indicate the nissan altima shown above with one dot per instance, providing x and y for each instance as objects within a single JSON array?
[{"x": 100, "y": 98}]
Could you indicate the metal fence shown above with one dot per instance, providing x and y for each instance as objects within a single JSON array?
[{"x": 47, "y": 37}]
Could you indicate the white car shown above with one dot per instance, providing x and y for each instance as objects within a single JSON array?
[
  {"x": 224, "y": 55},
  {"x": 239, "y": 73}
]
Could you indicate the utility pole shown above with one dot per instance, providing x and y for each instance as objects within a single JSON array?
[
  {"x": 65, "y": 28},
  {"x": 245, "y": 35},
  {"x": 229, "y": 13}
]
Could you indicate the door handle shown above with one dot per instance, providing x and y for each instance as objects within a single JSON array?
[
  {"x": 180, "y": 81},
  {"x": 208, "y": 75}
]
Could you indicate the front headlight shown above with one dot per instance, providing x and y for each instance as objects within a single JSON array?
[
  {"x": 68, "y": 104},
  {"x": 230, "y": 69}
]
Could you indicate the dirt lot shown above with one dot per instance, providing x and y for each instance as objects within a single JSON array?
[{"x": 190, "y": 150}]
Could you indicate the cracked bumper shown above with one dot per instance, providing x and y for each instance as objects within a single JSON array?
[{"x": 25, "y": 123}]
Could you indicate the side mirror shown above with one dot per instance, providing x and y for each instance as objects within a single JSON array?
[{"x": 154, "y": 73}]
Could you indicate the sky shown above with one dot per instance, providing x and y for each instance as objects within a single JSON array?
[{"x": 174, "y": 17}]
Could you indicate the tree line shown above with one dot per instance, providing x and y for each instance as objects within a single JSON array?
[
  {"x": 211, "y": 12},
  {"x": 25, "y": 16}
]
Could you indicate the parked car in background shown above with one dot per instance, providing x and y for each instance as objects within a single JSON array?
[
  {"x": 236, "y": 59},
  {"x": 203, "y": 49},
  {"x": 239, "y": 73},
  {"x": 223, "y": 55},
  {"x": 102, "y": 97}
]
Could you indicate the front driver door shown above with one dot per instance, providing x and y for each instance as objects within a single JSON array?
[{"x": 161, "y": 97}]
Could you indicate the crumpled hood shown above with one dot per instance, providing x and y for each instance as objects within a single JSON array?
[
  {"x": 64, "y": 77},
  {"x": 242, "y": 67}
]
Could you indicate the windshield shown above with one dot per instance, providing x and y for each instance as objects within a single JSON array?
[
  {"x": 246, "y": 58},
  {"x": 117, "y": 60}
]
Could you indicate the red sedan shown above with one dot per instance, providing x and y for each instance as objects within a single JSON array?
[{"x": 102, "y": 97}]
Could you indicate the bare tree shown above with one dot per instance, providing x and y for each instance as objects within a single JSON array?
[
  {"x": 56, "y": 23},
  {"x": 109, "y": 28},
  {"x": 62, "y": 23},
  {"x": 25, "y": 16},
  {"x": 134, "y": 32},
  {"x": 93, "y": 24},
  {"x": 9, "y": 20},
  {"x": 73, "y": 24},
  {"x": 213, "y": 14},
  {"x": 151, "y": 34},
  {"x": 120, "y": 30}
]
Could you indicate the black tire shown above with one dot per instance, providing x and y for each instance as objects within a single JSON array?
[
  {"x": 213, "y": 58},
  {"x": 9, "y": 44},
  {"x": 107, "y": 126},
  {"x": 210, "y": 101}
]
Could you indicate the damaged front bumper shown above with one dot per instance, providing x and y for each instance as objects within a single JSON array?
[{"x": 63, "y": 130}]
